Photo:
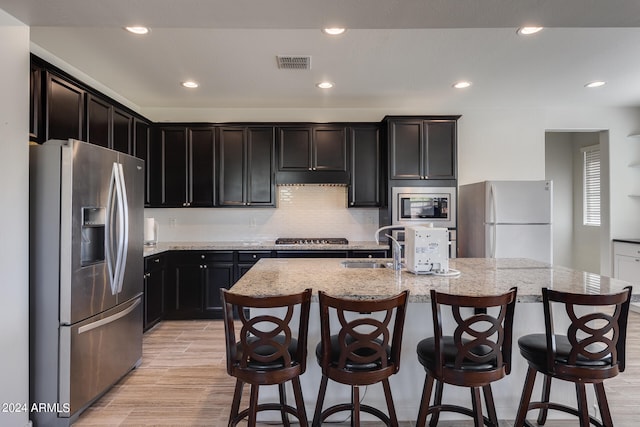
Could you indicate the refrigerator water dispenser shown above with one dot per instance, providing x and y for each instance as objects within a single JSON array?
[{"x": 93, "y": 238}]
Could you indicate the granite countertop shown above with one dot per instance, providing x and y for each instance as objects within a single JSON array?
[
  {"x": 267, "y": 245},
  {"x": 479, "y": 276}
]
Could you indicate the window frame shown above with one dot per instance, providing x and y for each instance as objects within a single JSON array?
[{"x": 591, "y": 183}]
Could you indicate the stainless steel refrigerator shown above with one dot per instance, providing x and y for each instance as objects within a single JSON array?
[
  {"x": 86, "y": 275},
  {"x": 506, "y": 219}
]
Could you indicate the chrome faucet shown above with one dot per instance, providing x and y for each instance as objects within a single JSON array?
[{"x": 396, "y": 249}]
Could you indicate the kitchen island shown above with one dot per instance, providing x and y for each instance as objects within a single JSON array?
[{"x": 479, "y": 276}]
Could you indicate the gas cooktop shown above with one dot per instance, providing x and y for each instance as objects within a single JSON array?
[{"x": 314, "y": 241}]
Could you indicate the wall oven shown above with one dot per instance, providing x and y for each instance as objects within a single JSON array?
[{"x": 423, "y": 206}]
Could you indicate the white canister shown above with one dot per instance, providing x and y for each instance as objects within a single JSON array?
[{"x": 150, "y": 232}]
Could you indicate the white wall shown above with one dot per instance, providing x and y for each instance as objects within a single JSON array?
[
  {"x": 559, "y": 169},
  {"x": 14, "y": 215}
]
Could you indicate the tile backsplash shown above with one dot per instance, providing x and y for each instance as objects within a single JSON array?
[{"x": 302, "y": 211}]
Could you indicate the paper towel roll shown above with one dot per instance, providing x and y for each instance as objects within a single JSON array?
[{"x": 150, "y": 237}]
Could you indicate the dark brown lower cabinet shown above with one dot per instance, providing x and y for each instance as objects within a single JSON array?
[
  {"x": 197, "y": 280},
  {"x": 154, "y": 290}
]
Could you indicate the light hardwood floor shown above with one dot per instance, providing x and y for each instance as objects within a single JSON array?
[{"x": 182, "y": 381}]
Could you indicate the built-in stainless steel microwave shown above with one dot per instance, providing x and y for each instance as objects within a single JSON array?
[{"x": 412, "y": 205}]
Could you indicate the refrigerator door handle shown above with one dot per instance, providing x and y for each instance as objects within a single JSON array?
[
  {"x": 109, "y": 228},
  {"x": 98, "y": 323},
  {"x": 494, "y": 208},
  {"x": 123, "y": 238}
]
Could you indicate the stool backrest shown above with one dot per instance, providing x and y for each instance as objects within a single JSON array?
[
  {"x": 266, "y": 337},
  {"x": 480, "y": 337},
  {"x": 597, "y": 335},
  {"x": 363, "y": 339}
]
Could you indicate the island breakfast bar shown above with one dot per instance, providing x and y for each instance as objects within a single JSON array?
[{"x": 478, "y": 276}]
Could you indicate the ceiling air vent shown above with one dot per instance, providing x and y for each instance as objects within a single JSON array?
[{"x": 294, "y": 62}]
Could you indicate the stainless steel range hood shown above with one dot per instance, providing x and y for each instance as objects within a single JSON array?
[{"x": 312, "y": 177}]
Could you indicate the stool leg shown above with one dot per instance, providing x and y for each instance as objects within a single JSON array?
[
  {"x": 392, "y": 410},
  {"x": 424, "y": 402},
  {"x": 297, "y": 392},
  {"x": 283, "y": 403},
  {"x": 318, "y": 412},
  {"x": 253, "y": 406},
  {"x": 605, "y": 413},
  {"x": 583, "y": 407},
  {"x": 437, "y": 401},
  {"x": 546, "y": 391},
  {"x": 477, "y": 407},
  {"x": 355, "y": 406},
  {"x": 491, "y": 407},
  {"x": 526, "y": 397},
  {"x": 235, "y": 405}
]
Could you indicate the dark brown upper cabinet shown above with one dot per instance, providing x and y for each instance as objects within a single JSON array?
[
  {"x": 35, "y": 105},
  {"x": 312, "y": 148},
  {"x": 64, "y": 108},
  {"x": 364, "y": 165},
  {"x": 422, "y": 148},
  {"x": 187, "y": 162},
  {"x": 122, "y": 131},
  {"x": 246, "y": 176},
  {"x": 99, "y": 119}
]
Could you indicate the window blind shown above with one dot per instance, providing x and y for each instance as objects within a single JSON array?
[{"x": 591, "y": 177}]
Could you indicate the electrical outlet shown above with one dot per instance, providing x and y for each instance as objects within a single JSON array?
[{"x": 172, "y": 222}]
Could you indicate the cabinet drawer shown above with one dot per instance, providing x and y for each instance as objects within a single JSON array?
[
  {"x": 204, "y": 256},
  {"x": 627, "y": 249},
  {"x": 253, "y": 256},
  {"x": 154, "y": 262}
]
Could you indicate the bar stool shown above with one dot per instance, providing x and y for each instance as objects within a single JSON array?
[
  {"x": 362, "y": 353},
  {"x": 265, "y": 351},
  {"x": 592, "y": 350},
  {"x": 475, "y": 355}
]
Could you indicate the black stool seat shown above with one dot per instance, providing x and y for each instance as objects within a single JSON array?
[
  {"x": 265, "y": 350},
  {"x": 533, "y": 348},
  {"x": 591, "y": 350},
  {"x": 363, "y": 353},
  {"x": 426, "y": 350}
]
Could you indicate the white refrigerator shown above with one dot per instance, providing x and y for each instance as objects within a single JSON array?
[{"x": 506, "y": 219}]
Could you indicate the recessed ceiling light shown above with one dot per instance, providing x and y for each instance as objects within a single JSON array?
[
  {"x": 190, "y": 84},
  {"x": 461, "y": 85},
  {"x": 596, "y": 83},
  {"x": 137, "y": 30},
  {"x": 334, "y": 31},
  {"x": 325, "y": 85},
  {"x": 527, "y": 31}
]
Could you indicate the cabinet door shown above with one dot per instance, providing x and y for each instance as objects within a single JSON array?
[
  {"x": 35, "y": 104},
  {"x": 295, "y": 149},
  {"x": 217, "y": 276},
  {"x": 440, "y": 141},
  {"x": 174, "y": 146},
  {"x": 188, "y": 291},
  {"x": 627, "y": 268},
  {"x": 150, "y": 150},
  {"x": 364, "y": 160},
  {"x": 202, "y": 169},
  {"x": 405, "y": 149},
  {"x": 153, "y": 297},
  {"x": 122, "y": 131},
  {"x": 329, "y": 148},
  {"x": 232, "y": 166},
  {"x": 260, "y": 184},
  {"x": 64, "y": 109},
  {"x": 99, "y": 116}
]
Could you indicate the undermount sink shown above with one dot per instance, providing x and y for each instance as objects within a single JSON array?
[{"x": 363, "y": 264}]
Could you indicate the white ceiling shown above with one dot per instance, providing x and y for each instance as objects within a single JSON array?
[{"x": 396, "y": 53}]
